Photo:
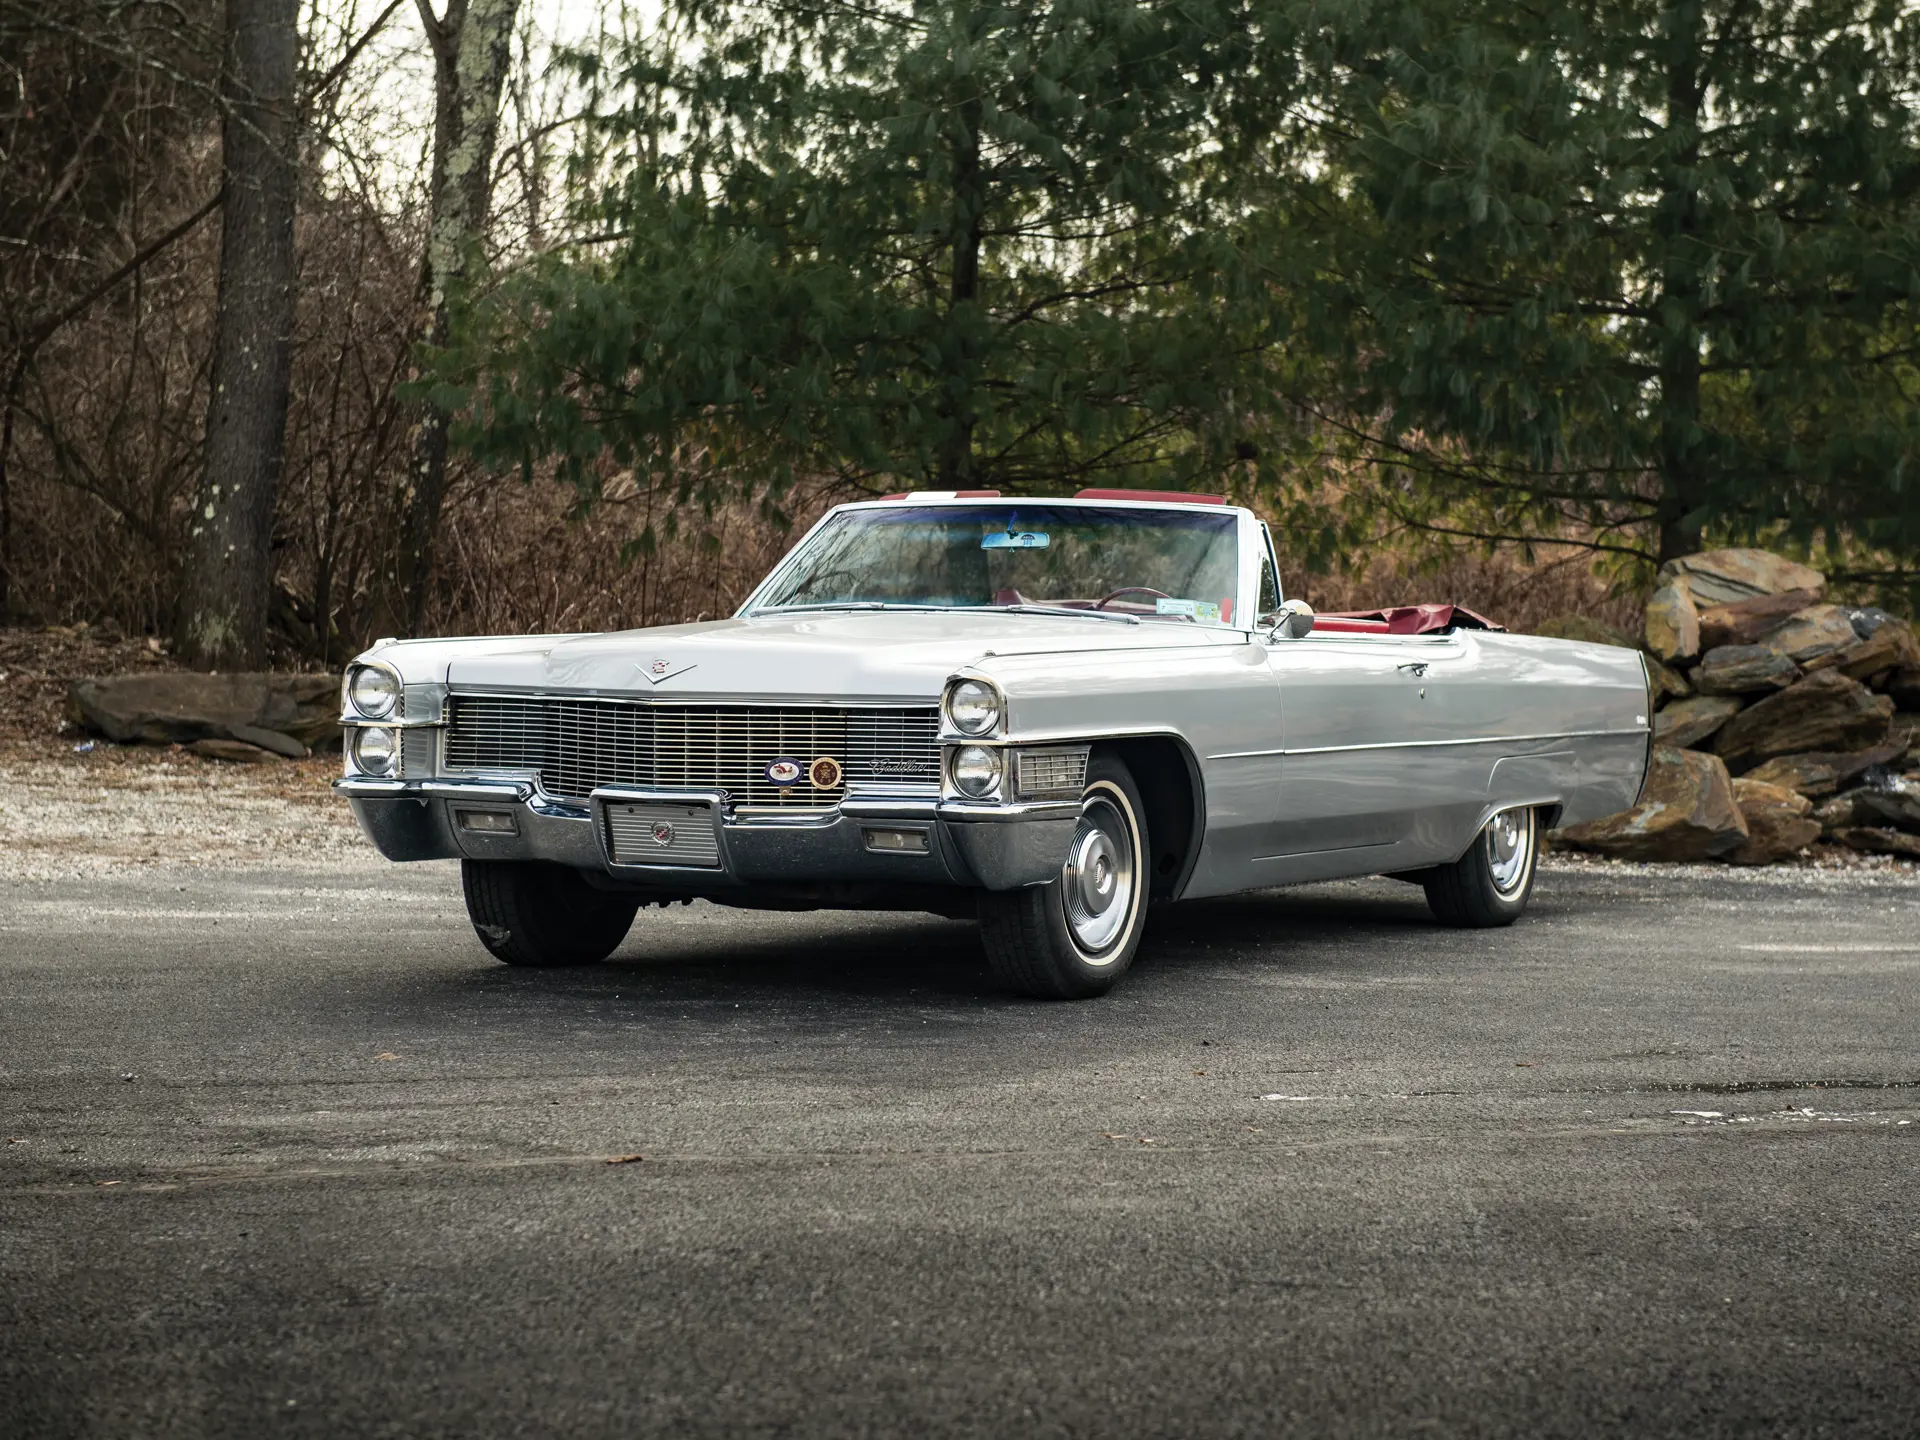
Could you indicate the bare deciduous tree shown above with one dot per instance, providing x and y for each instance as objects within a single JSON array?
[
  {"x": 229, "y": 579},
  {"x": 472, "y": 47}
]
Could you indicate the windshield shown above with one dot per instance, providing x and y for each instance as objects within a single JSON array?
[{"x": 1174, "y": 563}]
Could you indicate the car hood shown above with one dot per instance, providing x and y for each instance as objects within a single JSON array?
[{"x": 823, "y": 655}]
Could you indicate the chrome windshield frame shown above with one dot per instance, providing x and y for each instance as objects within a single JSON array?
[{"x": 1247, "y": 536}]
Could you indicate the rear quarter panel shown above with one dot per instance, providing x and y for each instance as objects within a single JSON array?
[{"x": 1575, "y": 716}]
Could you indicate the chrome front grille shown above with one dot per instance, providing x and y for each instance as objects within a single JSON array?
[{"x": 578, "y": 745}]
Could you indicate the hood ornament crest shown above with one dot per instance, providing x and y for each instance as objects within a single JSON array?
[{"x": 660, "y": 668}]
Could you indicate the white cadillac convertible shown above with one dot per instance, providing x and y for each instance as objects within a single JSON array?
[{"x": 1049, "y": 714}]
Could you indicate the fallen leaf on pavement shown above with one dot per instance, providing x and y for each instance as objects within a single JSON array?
[{"x": 624, "y": 1159}]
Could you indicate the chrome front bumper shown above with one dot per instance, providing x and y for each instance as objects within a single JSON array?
[{"x": 970, "y": 845}]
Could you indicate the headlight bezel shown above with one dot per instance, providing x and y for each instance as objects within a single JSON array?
[
  {"x": 986, "y": 706},
  {"x": 357, "y": 744},
  {"x": 985, "y": 764},
  {"x": 352, "y": 702}
]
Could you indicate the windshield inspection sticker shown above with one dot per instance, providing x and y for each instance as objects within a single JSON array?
[
  {"x": 1195, "y": 609},
  {"x": 1015, "y": 540}
]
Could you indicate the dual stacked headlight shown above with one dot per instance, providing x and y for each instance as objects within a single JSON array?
[
  {"x": 975, "y": 707},
  {"x": 372, "y": 693}
]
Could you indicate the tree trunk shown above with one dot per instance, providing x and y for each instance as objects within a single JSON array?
[
  {"x": 969, "y": 206},
  {"x": 8, "y": 405},
  {"x": 223, "y": 614},
  {"x": 472, "y": 44},
  {"x": 1680, "y": 514}
]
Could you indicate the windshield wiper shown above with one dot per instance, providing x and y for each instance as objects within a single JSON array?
[
  {"x": 1066, "y": 610},
  {"x": 847, "y": 605},
  {"x": 1124, "y": 619}
]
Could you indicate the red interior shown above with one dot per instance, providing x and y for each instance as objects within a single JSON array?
[{"x": 1403, "y": 620}]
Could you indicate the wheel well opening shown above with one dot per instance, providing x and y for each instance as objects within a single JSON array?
[{"x": 1169, "y": 789}]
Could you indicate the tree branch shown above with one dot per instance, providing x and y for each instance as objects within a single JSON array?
[
  {"x": 44, "y": 329},
  {"x": 327, "y": 81}
]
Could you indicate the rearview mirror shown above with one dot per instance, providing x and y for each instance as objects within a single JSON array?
[{"x": 1295, "y": 620}]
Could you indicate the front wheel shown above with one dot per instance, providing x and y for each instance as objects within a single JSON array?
[
  {"x": 528, "y": 912},
  {"x": 1490, "y": 884},
  {"x": 1071, "y": 938}
]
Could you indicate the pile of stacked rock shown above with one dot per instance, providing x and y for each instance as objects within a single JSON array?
[{"x": 1782, "y": 720}]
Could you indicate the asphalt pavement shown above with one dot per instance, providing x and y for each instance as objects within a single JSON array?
[{"x": 288, "y": 1154}]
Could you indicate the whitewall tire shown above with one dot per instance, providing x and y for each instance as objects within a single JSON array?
[{"x": 1073, "y": 937}]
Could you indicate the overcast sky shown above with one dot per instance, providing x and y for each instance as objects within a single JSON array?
[{"x": 389, "y": 93}]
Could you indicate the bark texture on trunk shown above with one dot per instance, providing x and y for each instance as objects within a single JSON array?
[
  {"x": 472, "y": 47},
  {"x": 223, "y": 612},
  {"x": 956, "y": 467},
  {"x": 1680, "y": 514}
]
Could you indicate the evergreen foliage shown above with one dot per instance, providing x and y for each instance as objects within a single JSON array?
[
  {"x": 1641, "y": 270},
  {"x": 932, "y": 242},
  {"x": 1639, "y": 273}
]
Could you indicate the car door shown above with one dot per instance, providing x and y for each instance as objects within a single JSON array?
[{"x": 1366, "y": 756}]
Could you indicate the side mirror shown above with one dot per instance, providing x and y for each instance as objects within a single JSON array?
[{"x": 1295, "y": 620}]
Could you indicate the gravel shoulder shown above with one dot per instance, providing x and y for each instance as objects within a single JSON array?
[{"x": 66, "y": 815}]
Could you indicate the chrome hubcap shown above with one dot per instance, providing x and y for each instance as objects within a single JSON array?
[
  {"x": 1510, "y": 849},
  {"x": 1098, "y": 881}
]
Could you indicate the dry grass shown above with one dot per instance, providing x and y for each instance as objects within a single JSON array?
[
  {"x": 38, "y": 663},
  {"x": 524, "y": 559},
  {"x": 1501, "y": 586}
]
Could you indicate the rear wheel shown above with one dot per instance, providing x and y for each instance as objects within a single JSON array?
[
  {"x": 1071, "y": 938},
  {"x": 527, "y": 912},
  {"x": 1490, "y": 884}
]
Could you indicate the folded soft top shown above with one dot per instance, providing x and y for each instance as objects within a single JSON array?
[{"x": 1404, "y": 620}]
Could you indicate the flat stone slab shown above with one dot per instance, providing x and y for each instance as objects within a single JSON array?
[{"x": 288, "y": 714}]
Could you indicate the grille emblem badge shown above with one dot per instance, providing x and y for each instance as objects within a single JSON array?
[
  {"x": 825, "y": 773},
  {"x": 662, "y": 833},
  {"x": 784, "y": 772}
]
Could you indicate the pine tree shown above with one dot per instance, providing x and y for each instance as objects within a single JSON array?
[
  {"x": 1646, "y": 269},
  {"x": 939, "y": 242}
]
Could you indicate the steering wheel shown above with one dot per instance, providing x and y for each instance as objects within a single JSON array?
[{"x": 1133, "y": 590}]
